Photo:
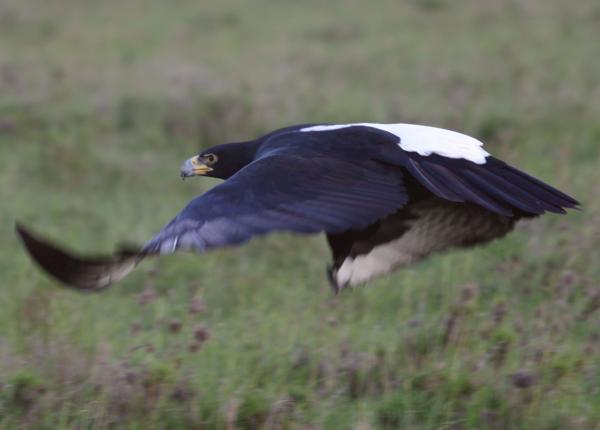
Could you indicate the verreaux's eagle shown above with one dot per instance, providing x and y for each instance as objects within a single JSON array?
[{"x": 386, "y": 195}]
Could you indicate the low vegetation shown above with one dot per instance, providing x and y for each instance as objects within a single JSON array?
[{"x": 99, "y": 103}]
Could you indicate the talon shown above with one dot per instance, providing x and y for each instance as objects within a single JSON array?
[{"x": 335, "y": 287}]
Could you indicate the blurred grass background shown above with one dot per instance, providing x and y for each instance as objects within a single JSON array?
[{"x": 100, "y": 102}]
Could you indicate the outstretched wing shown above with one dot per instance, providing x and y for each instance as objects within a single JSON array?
[{"x": 303, "y": 193}]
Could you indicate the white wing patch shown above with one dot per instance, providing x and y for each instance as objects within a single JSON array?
[{"x": 424, "y": 140}]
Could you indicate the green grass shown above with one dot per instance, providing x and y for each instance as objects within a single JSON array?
[{"x": 100, "y": 102}]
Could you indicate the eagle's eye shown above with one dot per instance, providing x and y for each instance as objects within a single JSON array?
[{"x": 210, "y": 158}]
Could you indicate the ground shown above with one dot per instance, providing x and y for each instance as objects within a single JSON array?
[{"x": 101, "y": 101}]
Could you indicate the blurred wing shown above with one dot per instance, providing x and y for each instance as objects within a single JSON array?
[
  {"x": 306, "y": 192},
  {"x": 90, "y": 273}
]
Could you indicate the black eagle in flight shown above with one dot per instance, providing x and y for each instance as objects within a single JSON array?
[{"x": 386, "y": 196}]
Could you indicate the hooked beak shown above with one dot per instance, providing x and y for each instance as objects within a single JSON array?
[{"x": 194, "y": 167}]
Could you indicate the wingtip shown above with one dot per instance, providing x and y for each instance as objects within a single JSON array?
[
  {"x": 77, "y": 272},
  {"x": 27, "y": 237},
  {"x": 20, "y": 229}
]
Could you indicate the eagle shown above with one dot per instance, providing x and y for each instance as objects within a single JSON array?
[{"x": 385, "y": 195}]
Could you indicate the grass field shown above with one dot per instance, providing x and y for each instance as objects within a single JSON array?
[{"x": 101, "y": 101}]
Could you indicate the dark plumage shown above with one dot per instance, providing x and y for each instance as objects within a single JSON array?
[{"x": 386, "y": 195}]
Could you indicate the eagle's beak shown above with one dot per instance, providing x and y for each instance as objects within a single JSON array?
[{"x": 194, "y": 167}]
